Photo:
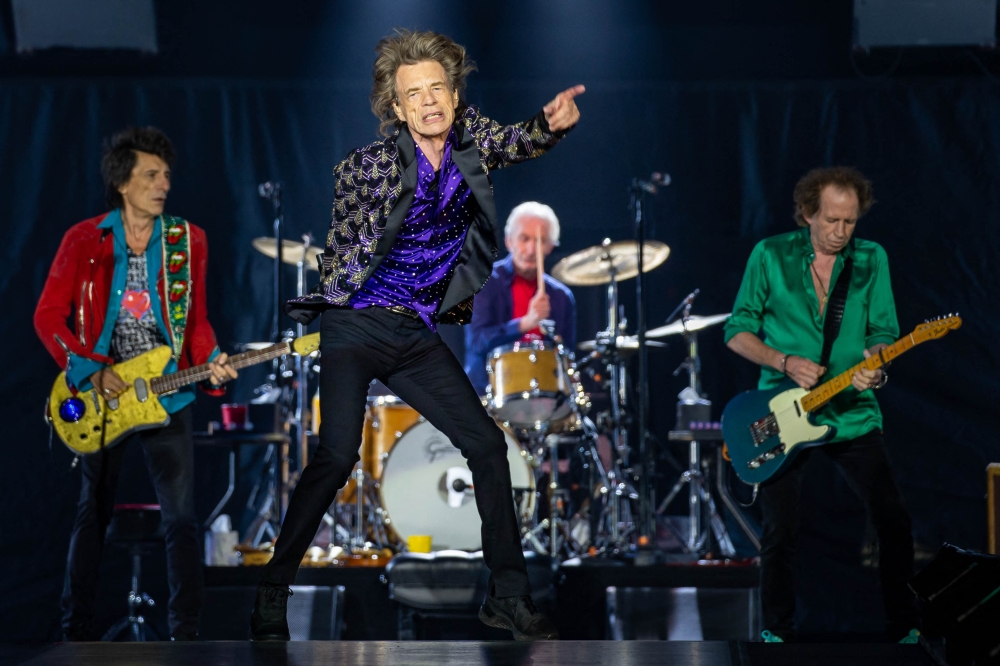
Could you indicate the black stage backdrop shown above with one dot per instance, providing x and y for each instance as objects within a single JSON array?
[{"x": 734, "y": 151}]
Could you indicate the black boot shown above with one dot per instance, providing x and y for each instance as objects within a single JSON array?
[
  {"x": 269, "y": 620},
  {"x": 520, "y": 616}
]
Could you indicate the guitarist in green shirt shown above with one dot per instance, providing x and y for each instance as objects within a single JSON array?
[{"x": 778, "y": 322}]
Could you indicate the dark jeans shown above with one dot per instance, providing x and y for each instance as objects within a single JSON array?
[
  {"x": 865, "y": 464},
  {"x": 169, "y": 453},
  {"x": 375, "y": 343}
]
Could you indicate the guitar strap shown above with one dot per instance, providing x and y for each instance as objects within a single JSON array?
[
  {"x": 835, "y": 309},
  {"x": 177, "y": 277}
]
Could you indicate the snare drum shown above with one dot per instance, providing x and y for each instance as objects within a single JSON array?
[
  {"x": 426, "y": 488},
  {"x": 530, "y": 384}
]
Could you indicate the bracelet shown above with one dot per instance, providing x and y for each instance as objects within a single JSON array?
[{"x": 784, "y": 359}]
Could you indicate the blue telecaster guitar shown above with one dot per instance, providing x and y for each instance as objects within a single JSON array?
[{"x": 764, "y": 430}]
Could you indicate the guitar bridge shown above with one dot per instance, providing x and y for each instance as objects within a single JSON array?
[
  {"x": 764, "y": 429},
  {"x": 766, "y": 457}
]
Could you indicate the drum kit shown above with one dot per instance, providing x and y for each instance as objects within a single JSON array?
[{"x": 574, "y": 489}]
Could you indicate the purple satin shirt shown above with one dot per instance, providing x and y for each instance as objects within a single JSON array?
[{"x": 416, "y": 271}]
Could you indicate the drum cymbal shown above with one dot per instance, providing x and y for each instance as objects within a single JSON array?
[
  {"x": 291, "y": 251},
  {"x": 596, "y": 264},
  {"x": 693, "y": 323},
  {"x": 625, "y": 343}
]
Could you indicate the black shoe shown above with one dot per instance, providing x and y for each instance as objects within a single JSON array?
[
  {"x": 269, "y": 620},
  {"x": 520, "y": 616}
]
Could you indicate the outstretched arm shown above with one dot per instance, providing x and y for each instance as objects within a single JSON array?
[
  {"x": 561, "y": 113},
  {"x": 503, "y": 145}
]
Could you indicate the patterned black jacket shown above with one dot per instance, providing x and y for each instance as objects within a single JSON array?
[{"x": 374, "y": 190}]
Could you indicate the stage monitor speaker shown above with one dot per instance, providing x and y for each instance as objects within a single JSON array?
[
  {"x": 993, "y": 507},
  {"x": 961, "y": 594},
  {"x": 924, "y": 23},
  {"x": 94, "y": 24},
  {"x": 315, "y": 613}
]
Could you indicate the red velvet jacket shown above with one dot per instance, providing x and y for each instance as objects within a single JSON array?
[{"x": 78, "y": 290}]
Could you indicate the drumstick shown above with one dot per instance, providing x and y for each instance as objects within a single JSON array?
[{"x": 539, "y": 261}]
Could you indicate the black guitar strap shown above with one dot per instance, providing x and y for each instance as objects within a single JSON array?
[{"x": 835, "y": 309}]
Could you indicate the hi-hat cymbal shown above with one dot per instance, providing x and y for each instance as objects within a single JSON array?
[
  {"x": 625, "y": 343},
  {"x": 291, "y": 251},
  {"x": 595, "y": 265},
  {"x": 693, "y": 323}
]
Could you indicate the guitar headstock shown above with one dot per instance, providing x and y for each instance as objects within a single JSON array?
[
  {"x": 305, "y": 345},
  {"x": 936, "y": 328}
]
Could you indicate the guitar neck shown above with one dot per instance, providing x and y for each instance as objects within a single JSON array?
[
  {"x": 175, "y": 380},
  {"x": 825, "y": 392}
]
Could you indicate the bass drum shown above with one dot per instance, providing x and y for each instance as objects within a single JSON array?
[{"x": 426, "y": 489}]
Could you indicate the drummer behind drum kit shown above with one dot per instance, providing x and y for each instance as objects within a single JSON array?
[{"x": 413, "y": 481}]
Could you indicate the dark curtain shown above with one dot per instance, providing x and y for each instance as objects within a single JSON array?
[{"x": 734, "y": 152}]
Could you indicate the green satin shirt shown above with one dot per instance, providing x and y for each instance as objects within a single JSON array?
[{"x": 778, "y": 302}]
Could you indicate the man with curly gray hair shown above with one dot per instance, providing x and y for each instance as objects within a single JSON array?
[{"x": 412, "y": 239}]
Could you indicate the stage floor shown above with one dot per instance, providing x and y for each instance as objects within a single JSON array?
[{"x": 419, "y": 653}]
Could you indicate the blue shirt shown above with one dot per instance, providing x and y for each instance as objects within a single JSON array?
[{"x": 416, "y": 271}]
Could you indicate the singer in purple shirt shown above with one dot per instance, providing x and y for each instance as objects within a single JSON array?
[{"x": 412, "y": 240}]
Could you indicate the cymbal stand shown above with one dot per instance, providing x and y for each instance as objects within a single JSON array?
[
  {"x": 617, "y": 519},
  {"x": 301, "y": 365},
  {"x": 699, "y": 493}
]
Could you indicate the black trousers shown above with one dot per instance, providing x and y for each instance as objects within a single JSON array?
[
  {"x": 169, "y": 453},
  {"x": 401, "y": 352},
  {"x": 865, "y": 464}
]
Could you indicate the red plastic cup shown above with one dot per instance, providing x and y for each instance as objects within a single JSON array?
[{"x": 234, "y": 417}]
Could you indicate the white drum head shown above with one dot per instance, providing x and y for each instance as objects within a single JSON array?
[{"x": 418, "y": 488}]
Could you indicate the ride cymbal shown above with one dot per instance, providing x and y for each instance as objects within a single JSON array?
[
  {"x": 291, "y": 251},
  {"x": 596, "y": 265}
]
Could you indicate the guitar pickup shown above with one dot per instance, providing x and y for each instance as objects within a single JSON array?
[
  {"x": 764, "y": 429},
  {"x": 766, "y": 457},
  {"x": 141, "y": 391}
]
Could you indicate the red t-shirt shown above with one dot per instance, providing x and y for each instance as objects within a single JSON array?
[{"x": 522, "y": 291}]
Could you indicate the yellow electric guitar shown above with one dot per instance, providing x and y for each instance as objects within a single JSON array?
[{"x": 86, "y": 422}]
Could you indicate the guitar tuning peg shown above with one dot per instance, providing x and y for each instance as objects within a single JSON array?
[{"x": 927, "y": 321}]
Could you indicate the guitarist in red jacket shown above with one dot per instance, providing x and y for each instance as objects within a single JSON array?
[
  {"x": 129, "y": 281},
  {"x": 780, "y": 321}
]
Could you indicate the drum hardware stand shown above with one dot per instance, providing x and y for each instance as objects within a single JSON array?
[
  {"x": 266, "y": 522},
  {"x": 301, "y": 364},
  {"x": 368, "y": 515},
  {"x": 695, "y": 477}
]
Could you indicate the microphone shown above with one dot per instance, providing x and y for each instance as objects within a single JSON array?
[
  {"x": 655, "y": 182},
  {"x": 460, "y": 486},
  {"x": 689, "y": 299},
  {"x": 269, "y": 189}
]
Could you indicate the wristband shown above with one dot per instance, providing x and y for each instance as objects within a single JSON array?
[{"x": 784, "y": 359}]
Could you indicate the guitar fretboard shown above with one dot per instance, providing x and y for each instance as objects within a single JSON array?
[
  {"x": 175, "y": 380},
  {"x": 823, "y": 393}
]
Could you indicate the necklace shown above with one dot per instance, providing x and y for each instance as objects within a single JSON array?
[{"x": 822, "y": 299}]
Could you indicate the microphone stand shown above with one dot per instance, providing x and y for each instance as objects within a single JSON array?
[
  {"x": 272, "y": 192},
  {"x": 647, "y": 526}
]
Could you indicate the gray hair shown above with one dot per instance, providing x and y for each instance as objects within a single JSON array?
[
  {"x": 533, "y": 209},
  {"x": 408, "y": 47}
]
